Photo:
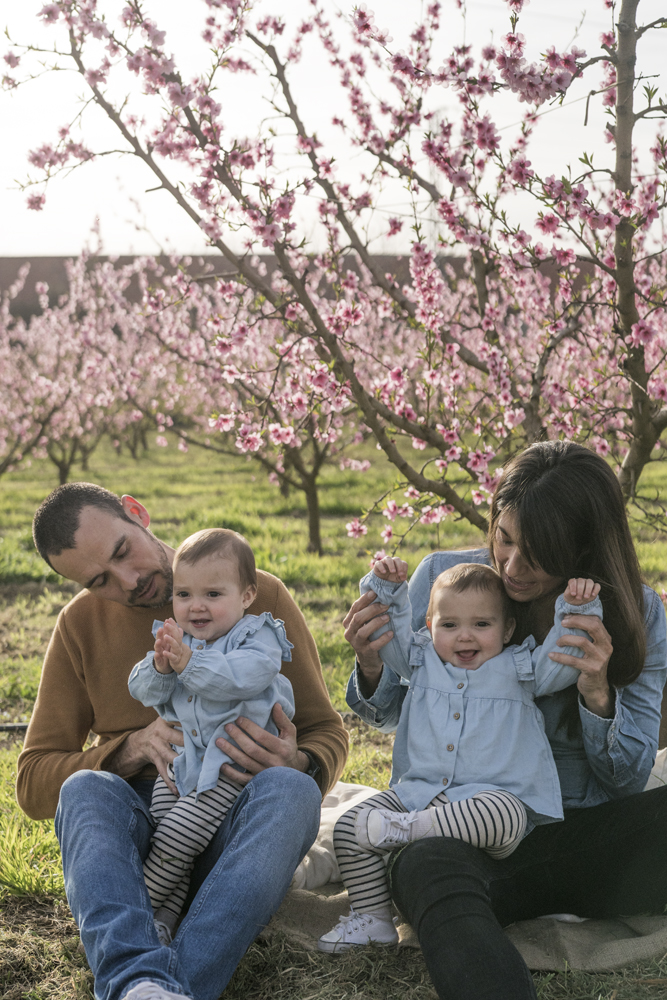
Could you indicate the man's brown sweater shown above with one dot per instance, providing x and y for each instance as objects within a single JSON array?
[{"x": 83, "y": 689}]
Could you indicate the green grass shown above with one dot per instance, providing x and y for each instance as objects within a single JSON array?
[{"x": 39, "y": 959}]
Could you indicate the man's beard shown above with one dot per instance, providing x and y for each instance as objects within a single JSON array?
[{"x": 164, "y": 587}]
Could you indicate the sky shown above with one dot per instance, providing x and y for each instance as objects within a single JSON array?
[{"x": 112, "y": 190}]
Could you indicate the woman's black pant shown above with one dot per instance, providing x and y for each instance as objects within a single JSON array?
[{"x": 606, "y": 861}]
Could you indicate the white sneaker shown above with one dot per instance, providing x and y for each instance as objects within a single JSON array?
[
  {"x": 151, "y": 991},
  {"x": 358, "y": 929},
  {"x": 163, "y": 932},
  {"x": 384, "y": 830}
]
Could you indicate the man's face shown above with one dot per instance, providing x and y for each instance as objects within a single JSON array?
[{"x": 117, "y": 560}]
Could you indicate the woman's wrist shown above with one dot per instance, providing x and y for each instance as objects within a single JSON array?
[
  {"x": 369, "y": 676},
  {"x": 601, "y": 703}
]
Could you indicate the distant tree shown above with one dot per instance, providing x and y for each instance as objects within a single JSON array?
[{"x": 480, "y": 363}]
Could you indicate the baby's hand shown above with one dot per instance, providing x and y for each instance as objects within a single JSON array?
[
  {"x": 162, "y": 664},
  {"x": 390, "y": 569},
  {"x": 580, "y": 591},
  {"x": 170, "y": 648}
]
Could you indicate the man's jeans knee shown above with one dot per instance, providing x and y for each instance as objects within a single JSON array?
[{"x": 104, "y": 829}]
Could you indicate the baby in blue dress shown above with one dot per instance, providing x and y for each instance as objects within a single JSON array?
[
  {"x": 209, "y": 666},
  {"x": 471, "y": 758}
]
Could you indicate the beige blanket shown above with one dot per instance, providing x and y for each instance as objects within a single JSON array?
[{"x": 317, "y": 899}]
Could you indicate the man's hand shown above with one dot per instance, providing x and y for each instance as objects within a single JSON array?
[
  {"x": 171, "y": 653},
  {"x": 258, "y": 749},
  {"x": 148, "y": 746},
  {"x": 392, "y": 570}
]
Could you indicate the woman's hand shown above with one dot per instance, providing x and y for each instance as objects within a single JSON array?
[
  {"x": 597, "y": 649},
  {"x": 364, "y": 618}
]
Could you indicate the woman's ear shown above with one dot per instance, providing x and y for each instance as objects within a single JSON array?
[{"x": 510, "y": 625}]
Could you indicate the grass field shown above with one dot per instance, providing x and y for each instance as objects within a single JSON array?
[{"x": 39, "y": 956}]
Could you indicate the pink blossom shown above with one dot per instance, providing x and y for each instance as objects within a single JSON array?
[
  {"x": 658, "y": 389},
  {"x": 519, "y": 170},
  {"x": 281, "y": 435},
  {"x": 380, "y": 554},
  {"x": 387, "y": 534},
  {"x": 363, "y": 19},
  {"x": 355, "y": 528},
  {"x": 269, "y": 234},
  {"x": 395, "y": 226},
  {"x": 35, "y": 202},
  {"x": 563, "y": 257},
  {"x": 486, "y": 135},
  {"x": 548, "y": 223},
  {"x": 50, "y": 13},
  {"x": 391, "y": 510},
  {"x": 453, "y": 454},
  {"x": 161, "y": 441},
  {"x": 282, "y": 206},
  {"x": 249, "y": 442},
  {"x": 477, "y": 461},
  {"x": 223, "y": 423},
  {"x": 642, "y": 334}
]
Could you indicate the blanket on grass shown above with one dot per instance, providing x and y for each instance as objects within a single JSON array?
[{"x": 550, "y": 944}]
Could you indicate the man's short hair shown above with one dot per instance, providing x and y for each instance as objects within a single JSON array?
[
  {"x": 57, "y": 518},
  {"x": 220, "y": 542},
  {"x": 470, "y": 576}
]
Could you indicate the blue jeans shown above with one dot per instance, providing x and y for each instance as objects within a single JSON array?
[{"x": 104, "y": 829}]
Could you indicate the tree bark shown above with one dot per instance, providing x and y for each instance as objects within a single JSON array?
[{"x": 313, "y": 503}]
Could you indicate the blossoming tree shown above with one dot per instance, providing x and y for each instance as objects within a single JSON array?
[{"x": 557, "y": 327}]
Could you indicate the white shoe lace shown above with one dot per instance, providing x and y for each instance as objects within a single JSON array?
[
  {"x": 396, "y": 827},
  {"x": 353, "y": 922}
]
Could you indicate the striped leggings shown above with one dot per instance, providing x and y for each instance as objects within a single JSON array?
[
  {"x": 185, "y": 827},
  {"x": 493, "y": 820}
]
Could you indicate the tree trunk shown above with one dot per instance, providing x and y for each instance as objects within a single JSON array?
[
  {"x": 313, "y": 502},
  {"x": 644, "y": 434}
]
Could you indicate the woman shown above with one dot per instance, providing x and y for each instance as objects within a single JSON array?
[{"x": 557, "y": 512}]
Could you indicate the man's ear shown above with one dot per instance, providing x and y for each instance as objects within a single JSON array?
[
  {"x": 510, "y": 625},
  {"x": 135, "y": 510}
]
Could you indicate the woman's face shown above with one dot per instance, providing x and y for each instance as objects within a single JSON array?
[{"x": 522, "y": 581}]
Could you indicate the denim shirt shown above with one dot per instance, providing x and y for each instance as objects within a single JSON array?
[
  {"x": 608, "y": 758},
  {"x": 237, "y": 674}
]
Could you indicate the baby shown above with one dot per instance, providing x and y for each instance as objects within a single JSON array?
[
  {"x": 471, "y": 759},
  {"x": 211, "y": 665}
]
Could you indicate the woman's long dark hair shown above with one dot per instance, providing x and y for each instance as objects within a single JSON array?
[{"x": 571, "y": 521}]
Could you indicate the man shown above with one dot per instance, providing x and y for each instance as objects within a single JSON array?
[{"x": 102, "y": 791}]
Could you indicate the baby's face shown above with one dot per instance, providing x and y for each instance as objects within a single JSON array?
[
  {"x": 208, "y": 598},
  {"x": 469, "y": 628}
]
